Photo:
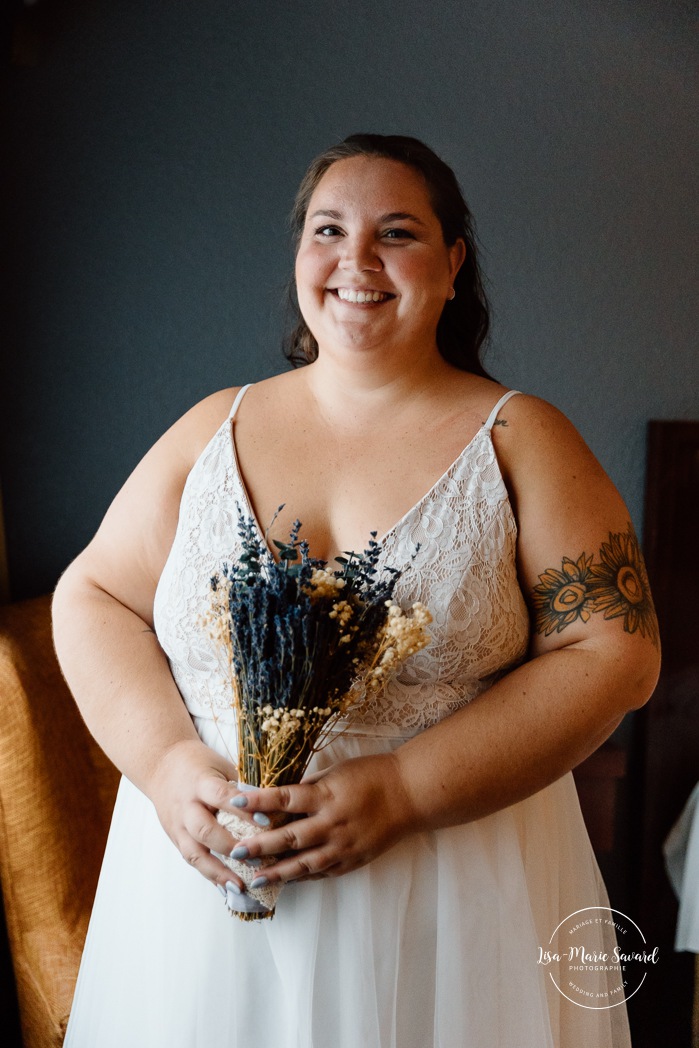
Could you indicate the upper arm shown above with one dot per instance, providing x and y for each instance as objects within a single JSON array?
[
  {"x": 580, "y": 564},
  {"x": 126, "y": 557}
]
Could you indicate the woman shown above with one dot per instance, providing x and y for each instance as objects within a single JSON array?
[{"x": 439, "y": 842}]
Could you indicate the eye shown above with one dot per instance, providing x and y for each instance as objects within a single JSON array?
[
  {"x": 398, "y": 233},
  {"x": 327, "y": 231}
]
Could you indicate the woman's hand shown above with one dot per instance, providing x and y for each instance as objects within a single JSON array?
[
  {"x": 187, "y": 788},
  {"x": 346, "y": 816}
]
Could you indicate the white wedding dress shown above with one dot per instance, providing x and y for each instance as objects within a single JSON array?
[{"x": 435, "y": 944}]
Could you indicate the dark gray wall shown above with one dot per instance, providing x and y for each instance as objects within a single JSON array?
[{"x": 155, "y": 149}]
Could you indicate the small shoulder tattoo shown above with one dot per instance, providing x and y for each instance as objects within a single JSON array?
[{"x": 616, "y": 585}]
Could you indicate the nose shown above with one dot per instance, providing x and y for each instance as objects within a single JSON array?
[{"x": 359, "y": 255}]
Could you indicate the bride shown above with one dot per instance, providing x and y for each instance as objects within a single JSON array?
[{"x": 438, "y": 842}]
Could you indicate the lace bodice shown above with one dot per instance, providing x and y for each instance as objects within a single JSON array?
[{"x": 464, "y": 571}]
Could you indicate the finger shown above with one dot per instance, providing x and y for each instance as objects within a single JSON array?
[
  {"x": 294, "y": 836},
  {"x": 202, "y": 826},
  {"x": 220, "y": 794},
  {"x": 216, "y": 791},
  {"x": 303, "y": 799},
  {"x": 306, "y": 865},
  {"x": 332, "y": 871},
  {"x": 209, "y": 866},
  {"x": 316, "y": 776}
]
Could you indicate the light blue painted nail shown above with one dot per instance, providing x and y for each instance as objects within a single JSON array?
[
  {"x": 222, "y": 890},
  {"x": 260, "y": 818},
  {"x": 233, "y": 887},
  {"x": 259, "y": 882},
  {"x": 239, "y": 802},
  {"x": 255, "y": 863},
  {"x": 241, "y": 852}
]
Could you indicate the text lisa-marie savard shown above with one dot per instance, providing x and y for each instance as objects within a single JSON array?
[{"x": 583, "y": 956}]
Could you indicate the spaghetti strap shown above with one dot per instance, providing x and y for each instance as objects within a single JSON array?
[
  {"x": 494, "y": 413},
  {"x": 239, "y": 396}
]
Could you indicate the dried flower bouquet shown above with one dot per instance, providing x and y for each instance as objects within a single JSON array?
[{"x": 307, "y": 646}]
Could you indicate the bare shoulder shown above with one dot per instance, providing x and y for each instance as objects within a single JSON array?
[
  {"x": 554, "y": 480},
  {"x": 162, "y": 472},
  {"x": 536, "y": 442},
  {"x": 535, "y": 416},
  {"x": 190, "y": 434},
  {"x": 580, "y": 562},
  {"x": 129, "y": 550},
  {"x": 168, "y": 463}
]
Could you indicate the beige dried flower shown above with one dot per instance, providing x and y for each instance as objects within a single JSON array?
[
  {"x": 403, "y": 635},
  {"x": 324, "y": 583}
]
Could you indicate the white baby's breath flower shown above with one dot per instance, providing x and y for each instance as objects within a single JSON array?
[{"x": 324, "y": 583}]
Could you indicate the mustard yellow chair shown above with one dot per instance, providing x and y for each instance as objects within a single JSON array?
[{"x": 57, "y": 791}]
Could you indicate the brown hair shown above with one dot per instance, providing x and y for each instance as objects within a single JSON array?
[{"x": 463, "y": 326}]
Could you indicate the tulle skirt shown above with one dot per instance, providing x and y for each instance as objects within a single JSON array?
[{"x": 436, "y": 944}]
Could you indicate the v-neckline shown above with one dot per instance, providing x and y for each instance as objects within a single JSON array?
[{"x": 230, "y": 422}]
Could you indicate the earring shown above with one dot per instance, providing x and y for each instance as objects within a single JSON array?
[{"x": 452, "y": 294}]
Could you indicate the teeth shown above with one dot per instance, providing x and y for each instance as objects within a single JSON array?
[{"x": 360, "y": 296}]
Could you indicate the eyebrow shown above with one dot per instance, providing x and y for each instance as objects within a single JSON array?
[{"x": 392, "y": 216}]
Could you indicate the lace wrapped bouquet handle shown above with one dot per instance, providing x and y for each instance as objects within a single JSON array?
[
  {"x": 306, "y": 647},
  {"x": 255, "y": 903}
]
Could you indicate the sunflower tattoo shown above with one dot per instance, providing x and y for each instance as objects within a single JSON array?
[
  {"x": 562, "y": 596},
  {"x": 617, "y": 586}
]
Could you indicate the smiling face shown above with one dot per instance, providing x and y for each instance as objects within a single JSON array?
[{"x": 372, "y": 268}]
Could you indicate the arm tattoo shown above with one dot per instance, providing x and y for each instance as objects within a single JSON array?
[{"x": 617, "y": 586}]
